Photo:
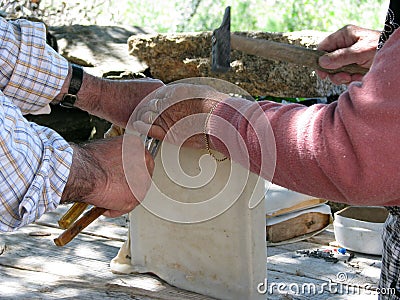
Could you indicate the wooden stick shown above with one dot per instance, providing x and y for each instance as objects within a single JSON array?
[
  {"x": 288, "y": 53},
  {"x": 79, "y": 225},
  {"x": 72, "y": 214}
]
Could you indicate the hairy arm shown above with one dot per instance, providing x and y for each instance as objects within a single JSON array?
[{"x": 113, "y": 100}]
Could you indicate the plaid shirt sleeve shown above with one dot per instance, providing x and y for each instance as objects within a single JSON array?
[
  {"x": 34, "y": 160},
  {"x": 32, "y": 73}
]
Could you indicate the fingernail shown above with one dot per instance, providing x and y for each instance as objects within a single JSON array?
[{"x": 324, "y": 61}]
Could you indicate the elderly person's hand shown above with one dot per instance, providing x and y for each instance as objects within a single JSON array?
[
  {"x": 164, "y": 114},
  {"x": 102, "y": 177},
  {"x": 351, "y": 44}
]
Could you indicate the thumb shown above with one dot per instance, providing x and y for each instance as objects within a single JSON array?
[{"x": 339, "y": 58}]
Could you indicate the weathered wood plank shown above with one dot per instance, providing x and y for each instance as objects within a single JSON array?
[
  {"x": 22, "y": 284},
  {"x": 85, "y": 256},
  {"x": 321, "y": 239},
  {"x": 298, "y": 287},
  {"x": 361, "y": 271},
  {"x": 32, "y": 267},
  {"x": 300, "y": 225}
]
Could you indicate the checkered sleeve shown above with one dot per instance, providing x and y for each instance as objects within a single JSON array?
[
  {"x": 31, "y": 72},
  {"x": 34, "y": 161},
  {"x": 34, "y": 168}
]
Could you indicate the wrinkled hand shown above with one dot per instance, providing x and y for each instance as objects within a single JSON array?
[
  {"x": 177, "y": 113},
  {"x": 351, "y": 44},
  {"x": 100, "y": 177}
]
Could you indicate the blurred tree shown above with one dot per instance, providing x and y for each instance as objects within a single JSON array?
[{"x": 202, "y": 15}]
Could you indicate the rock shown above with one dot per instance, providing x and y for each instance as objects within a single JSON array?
[
  {"x": 176, "y": 56},
  {"x": 100, "y": 49}
]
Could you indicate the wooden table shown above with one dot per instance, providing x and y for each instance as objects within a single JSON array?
[
  {"x": 32, "y": 267},
  {"x": 315, "y": 278}
]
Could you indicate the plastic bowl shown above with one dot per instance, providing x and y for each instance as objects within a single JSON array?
[{"x": 359, "y": 228}]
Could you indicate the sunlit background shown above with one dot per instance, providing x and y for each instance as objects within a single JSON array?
[{"x": 205, "y": 15}]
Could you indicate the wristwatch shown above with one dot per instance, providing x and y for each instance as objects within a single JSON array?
[{"x": 69, "y": 99}]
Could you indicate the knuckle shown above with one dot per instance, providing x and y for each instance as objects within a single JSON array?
[
  {"x": 347, "y": 30},
  {"x": 348, "y": 27}
]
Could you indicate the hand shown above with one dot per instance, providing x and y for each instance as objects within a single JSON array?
[
  {"x": 97, "y": 175},
  {"x": 163, "y": 114},
  {"x": 351, "y": 44}
]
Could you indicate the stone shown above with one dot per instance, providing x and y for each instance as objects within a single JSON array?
[
  {"x": 171, "y": 57},
  {"x": 100, "y": 49},
  {"x": 198, "y": 230}
]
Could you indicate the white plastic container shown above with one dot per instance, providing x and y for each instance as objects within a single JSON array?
[
  {"x": 280, "y": 200},
  {"x": 359, "y": 228},
  {"x": 223, "y": 256}
]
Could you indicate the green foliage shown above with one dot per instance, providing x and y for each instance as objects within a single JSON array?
[
  {"x": 206, "y": 15},
  {"x": 258, "y": 15},
  {"x": 330, "y": 15}
]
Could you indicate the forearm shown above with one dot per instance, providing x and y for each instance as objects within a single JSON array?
[
  {"x": 35, "y": 161},
  {"x": 346, "y": 151},
  {"x": 113, "y": 100},
  {"x": 302, "y": 154}
]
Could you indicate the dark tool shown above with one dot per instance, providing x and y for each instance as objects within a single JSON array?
[{"x": 223, "y": 41}]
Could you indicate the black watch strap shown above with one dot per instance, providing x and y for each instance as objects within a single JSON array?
[{"x": 69, "y": 99}]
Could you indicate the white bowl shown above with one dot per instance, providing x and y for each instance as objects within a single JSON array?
[{"x": 359, "y": 228}]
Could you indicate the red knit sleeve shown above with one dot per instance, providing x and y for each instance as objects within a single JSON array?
[{"x": 346, "y": 151}]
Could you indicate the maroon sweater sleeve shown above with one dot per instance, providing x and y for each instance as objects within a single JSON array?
[{"x": 347, "y": 151}]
